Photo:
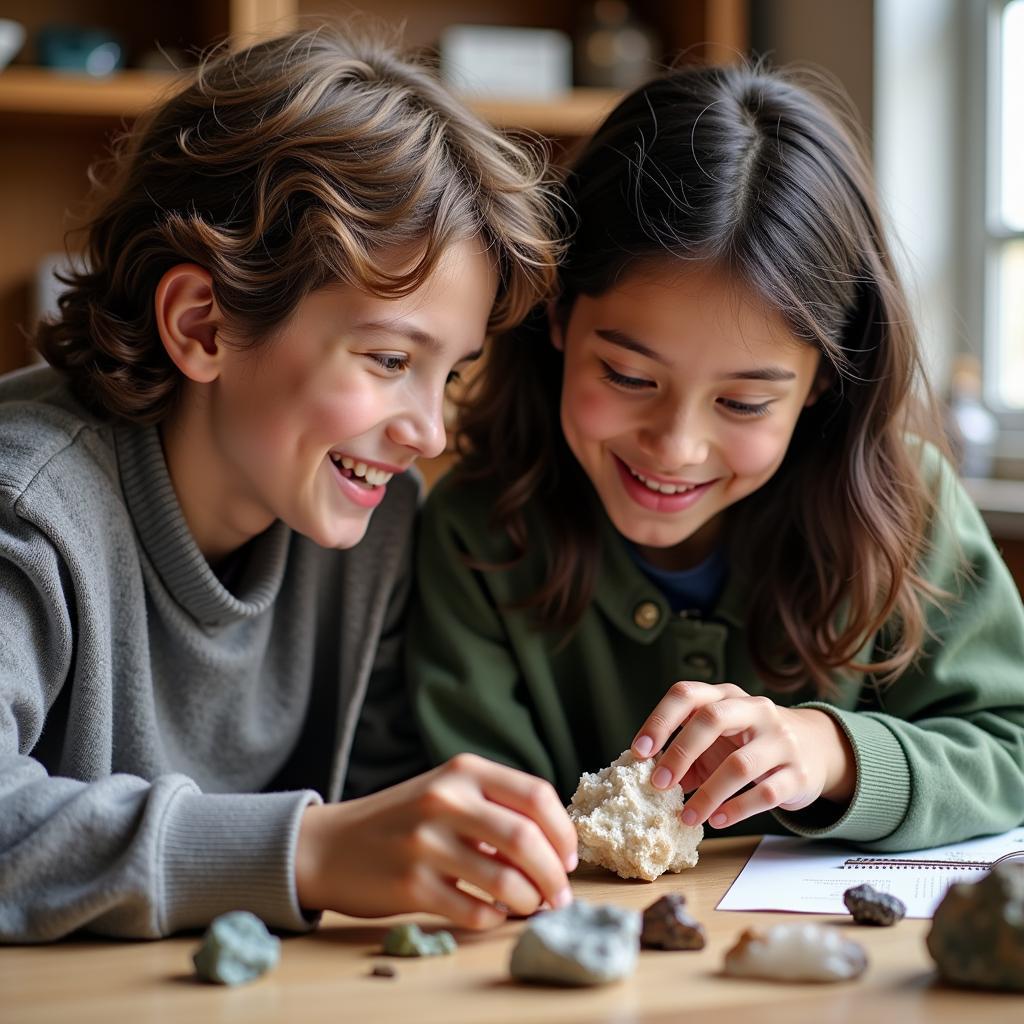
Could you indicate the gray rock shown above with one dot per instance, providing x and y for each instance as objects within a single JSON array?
[
  {"x": 236, "y": 948},
  {"x": 977, "y": 933},
  {"x": 578, "y": 945},
  {"x": 411, "y": 940}
]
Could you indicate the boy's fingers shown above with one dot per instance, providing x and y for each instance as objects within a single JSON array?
[
  {"x": 461, "y": 908},
  {"x": 520, "y": 843},
  {"x": 535, "y": 799}
]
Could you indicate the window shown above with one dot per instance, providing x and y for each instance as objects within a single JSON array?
[{"x": 1002, "y": 308}]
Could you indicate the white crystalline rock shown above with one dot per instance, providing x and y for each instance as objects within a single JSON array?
[
  {"x": 626, "y": 825},
  {"x": 796, "y": 952}
]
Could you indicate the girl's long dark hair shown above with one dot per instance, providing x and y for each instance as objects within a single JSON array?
[{"x": 750, "y": 172}]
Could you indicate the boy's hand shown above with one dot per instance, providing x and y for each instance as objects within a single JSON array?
[
  {"x": 404, "y": 849},
  {"x": 729, "y": 740}
]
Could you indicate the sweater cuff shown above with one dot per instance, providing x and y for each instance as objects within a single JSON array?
[
  {"x": 882, "y": 794},
  {"x": 232, "y": 852}
]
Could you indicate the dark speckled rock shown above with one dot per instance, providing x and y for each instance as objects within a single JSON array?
[
  {"x": 977, "y": 934},
  {"x": 869, "y": 906}
]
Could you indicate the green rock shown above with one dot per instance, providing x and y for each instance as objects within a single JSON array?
[
  {"x": 236, "y": 948},
  {"x": 411, "y": 940}
]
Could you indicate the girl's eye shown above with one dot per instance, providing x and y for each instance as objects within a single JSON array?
[
  {"x": 453, "y": 377},
  {"x": 391, "y": 363},
  {"x": 745, "y": 408},
  {"x": 622, "y": 381}
]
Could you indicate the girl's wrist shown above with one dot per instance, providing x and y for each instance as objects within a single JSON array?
[{"x": 840, "y": 759}]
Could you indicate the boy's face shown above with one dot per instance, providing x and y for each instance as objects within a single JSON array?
[
  {"x": 680, "y": 396},
  {"x": 309, "y": 427}
]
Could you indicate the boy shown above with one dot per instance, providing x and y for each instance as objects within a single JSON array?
[{"x": 205, "y": 521}]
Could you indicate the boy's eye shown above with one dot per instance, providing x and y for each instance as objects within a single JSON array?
[
  {"x": 622, "y": 381},
  {"x": 745, "y": 408},
  {"x": 390, "y": 362}
]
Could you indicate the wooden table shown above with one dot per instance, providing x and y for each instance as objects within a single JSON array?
[{"x": 325, "y": 976}]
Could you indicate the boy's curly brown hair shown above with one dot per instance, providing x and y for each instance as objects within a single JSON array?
[{"x": 281, "y": 168}]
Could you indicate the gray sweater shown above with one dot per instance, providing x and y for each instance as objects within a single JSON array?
[{"x": 162, "y": 731}]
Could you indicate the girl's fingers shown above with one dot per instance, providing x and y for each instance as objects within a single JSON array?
[
  {"x": 706, "y": 725},
  {"x": 768, "y": 794},
  {"x": 743, "y": 766},
  {"x": 682, "y": 699}
]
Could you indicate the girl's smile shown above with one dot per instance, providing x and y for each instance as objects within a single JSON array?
[
  {"x": 680, "y": 394},
  {"x": 658, "y": 494}
]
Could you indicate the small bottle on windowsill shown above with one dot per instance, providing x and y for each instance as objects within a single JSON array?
[{"x": 974, "y": 430}]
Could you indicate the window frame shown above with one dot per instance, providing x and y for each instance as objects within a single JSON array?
[{"x": 984, "y": 233}]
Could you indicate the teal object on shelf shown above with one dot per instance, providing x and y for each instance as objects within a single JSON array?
[{"x": 92, "y": 51}]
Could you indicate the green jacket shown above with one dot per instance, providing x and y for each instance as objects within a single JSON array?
[{"x": 940, "y": 753}]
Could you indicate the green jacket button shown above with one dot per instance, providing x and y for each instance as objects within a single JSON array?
[
  {"x": 699, "y": 661},
  {"x": 646, "y": 614}
]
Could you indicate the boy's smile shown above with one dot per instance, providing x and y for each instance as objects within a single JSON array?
[
  {"x": 680, "y": 394},
  {"x": 310, "y": 426}
]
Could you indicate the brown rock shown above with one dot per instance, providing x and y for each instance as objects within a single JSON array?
[{"x": 668, "y": 925}]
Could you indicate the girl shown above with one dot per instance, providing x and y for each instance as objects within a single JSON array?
[
  {"x": 205, "y": 516},
  {"x": 704, "y": 511}
]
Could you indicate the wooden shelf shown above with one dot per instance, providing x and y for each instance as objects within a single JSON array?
[{"x": 27, "y": 90}]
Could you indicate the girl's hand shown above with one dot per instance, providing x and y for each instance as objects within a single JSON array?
[
  {"x": 729, "y": 740},
  {"x": 404, "y": 849}
]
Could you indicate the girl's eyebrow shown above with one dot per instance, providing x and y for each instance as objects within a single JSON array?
[
  {"x": 761, "y": 373},
  {"x": 623, "y": 340}
]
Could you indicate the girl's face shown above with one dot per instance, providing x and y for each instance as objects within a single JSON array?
[
  {"x": 309, "y": 427},
  {"x": 680, "y": 395}
]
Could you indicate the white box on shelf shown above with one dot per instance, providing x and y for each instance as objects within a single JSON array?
[{"x": 520, "y": 63}]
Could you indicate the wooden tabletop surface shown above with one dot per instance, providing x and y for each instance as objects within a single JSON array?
[{"x": 325, "y": 976}]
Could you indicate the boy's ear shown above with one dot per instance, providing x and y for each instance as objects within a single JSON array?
[
  {"x": 188, "y": 318},
  {"x": 556, "y": 327}
]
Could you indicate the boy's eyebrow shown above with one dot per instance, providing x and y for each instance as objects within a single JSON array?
[
  {"x": 624, "y": 340},
  {"x": 414, "y": 334}
]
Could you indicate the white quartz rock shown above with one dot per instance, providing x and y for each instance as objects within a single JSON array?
[
  {"x": 626, "y": 825},
  {"x": 578, "y": 945},
  {"x": 796, "y": 952}
]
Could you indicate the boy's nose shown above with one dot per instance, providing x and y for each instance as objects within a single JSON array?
[{"x": 421, "y": 429}]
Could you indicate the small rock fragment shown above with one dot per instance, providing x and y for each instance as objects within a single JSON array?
[
  {"x": 977, "y": 933},
  {"x": 796, "y": 952},
  {"x": 668, "y": 925},
  {"x": 869, "y": 906},
  {"x": 383, "y": 971},
  {"x": 626, "y": 825},
  {"x": 411, "y": 940},
  {"x": 236, "y": 948},
  {"x": 578, "y": 945}
]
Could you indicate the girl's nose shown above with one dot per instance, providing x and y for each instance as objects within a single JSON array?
[{"x": 677, "y": 442}]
